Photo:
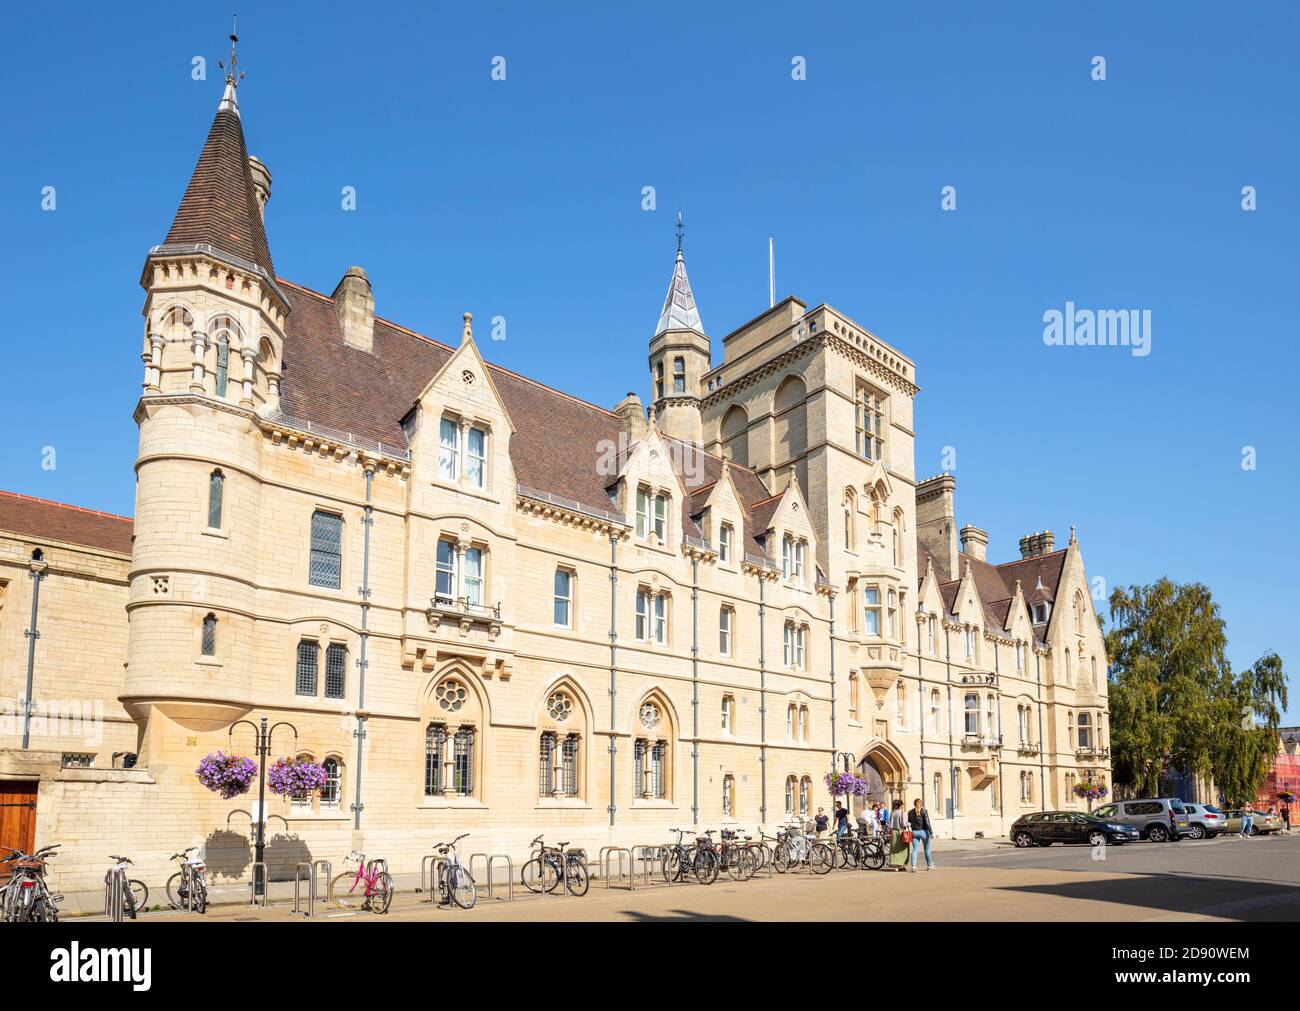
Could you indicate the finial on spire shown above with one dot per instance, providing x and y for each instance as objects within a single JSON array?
[
  {"x": 1073, "y": 538},
  {"x": 467, "y": 334},
  {"x": 679, "y": 233},
  {"x": 233, "y": 74}
]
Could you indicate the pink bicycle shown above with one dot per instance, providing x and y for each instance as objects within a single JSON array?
[{"x": 369, "y": 886}]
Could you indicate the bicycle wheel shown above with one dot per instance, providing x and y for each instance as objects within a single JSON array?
[
  {"x": 820, "y": 858},
  {"x": 344, "y": 893},
  {"x": 135, "y": 896},
  {"x": 734, "y": 868},
  {"x": 748, "y": 861},
  {"x": 781, "y": 859},
  {"x": 381, "y": 893},
  {"x": 672, "y": 868},
  {"x": 576, "y": 877},
  {"x": 874, "y": 857},
  {"x": 463, "y": 891},
  {"x": 174, "y": 891},
  {"x": 200, "y": 901},
  {"x": 539, "y": 873},
  {"x": 705, "y": 866}
]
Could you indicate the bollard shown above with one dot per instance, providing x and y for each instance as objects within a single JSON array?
[{"x": 113, "y": 896}]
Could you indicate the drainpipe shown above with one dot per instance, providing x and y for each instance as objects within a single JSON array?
[
  {"x": 952, "y": 768},
  {"x": 1002, "y": 794},
  {"x": 38, "y": 567},
  {"x": 613, "y": 668},
  {"x": 920, "y": 708},
  {"x": 695, "y": 691},
  {"x": 367, "y": 521},
  {"x": 832, "y": 634},
  {"x": 762, "y": 705},
  {"x": 1042, "y": 741}
]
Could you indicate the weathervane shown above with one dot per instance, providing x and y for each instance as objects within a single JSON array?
[
  {"x": 679, "y": 231},
  {"x": 231, "y": 77}
]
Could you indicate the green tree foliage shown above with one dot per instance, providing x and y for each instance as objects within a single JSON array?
[{"x": 1175, "y": 702}]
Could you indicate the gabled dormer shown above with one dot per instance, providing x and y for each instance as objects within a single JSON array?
[
  {"x": 721, "y": 518},
  {"x": 649, "y": 491},
  {"x": 459, "y": 428},
  {"x": 968, "y": 609},
  {"x": 790, "y": 539}
]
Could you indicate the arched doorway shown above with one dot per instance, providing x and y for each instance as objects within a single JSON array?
[{"x": 885, "y": 770}]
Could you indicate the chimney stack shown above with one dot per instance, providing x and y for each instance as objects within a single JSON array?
[
  {"x": 975, "y": 542},
  {"x": 936, "y": 526},
  {"x": 1033, "y": 545},
  {"x": 355, "y": 305},
  {"x": 631, "y": 412},
  {"x": 261, "y": 183}
]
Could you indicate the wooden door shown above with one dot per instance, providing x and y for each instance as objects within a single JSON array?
[{"x": 17, "y": 818}]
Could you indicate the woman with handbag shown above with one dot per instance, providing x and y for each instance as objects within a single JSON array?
[
  {"x": 918, "y": 820},
  {"x": 900, "y": 837}
]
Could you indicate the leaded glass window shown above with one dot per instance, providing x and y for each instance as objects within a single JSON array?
[
  {"x": 305, "y": 682},
  {"x": 216, "y": 486},
  {"x": 326, "y": 566},
  {"x": 336, "y": 663}
]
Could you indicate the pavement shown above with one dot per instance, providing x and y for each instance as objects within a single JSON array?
[{"x": 1226, "y": 879}]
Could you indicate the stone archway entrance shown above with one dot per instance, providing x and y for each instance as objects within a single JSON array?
[{"x": 885, "y": 770}]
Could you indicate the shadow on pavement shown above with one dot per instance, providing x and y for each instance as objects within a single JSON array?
[
  {"x": 682, "y": 916},
  {"x": 1178, "y": 893}
]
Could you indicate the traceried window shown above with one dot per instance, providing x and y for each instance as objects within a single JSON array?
[
  {"x": 648, "y": 768},
  {"x": 216, "y": 491},
  {"x": 435, "y": 748},
  {"x": 563, "y": 611},
  {"x": 871, "y": 611},
  {"x": 208, "y": 645},
  {"x": 870, "y": 424},
  {"x": 326, "y": 564},
  {"x": 463, "y": 761},
  {"x": 336, "y": 666},
  {"x": 726, "y": 616},
  {"x": 305, "y": 675}
]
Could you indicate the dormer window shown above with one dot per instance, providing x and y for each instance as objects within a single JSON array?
[
  {"x": 724, "y": 543},
  {"x": 970, "y": 644},
  {"x": 476, "y": 457},
  {"x": 1042, "y": 611},
  {"x": 462, "y": 448},
  {"x": 642, "y": 512},
  {"x": 792, "y": 555},
  {"x": 661, "y": 518}
]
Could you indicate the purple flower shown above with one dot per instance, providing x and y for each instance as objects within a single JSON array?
[
  {"x": 228, "y": 775},
  {"x": 845, "y": 784},
  {"x": 295, "y": 777}
]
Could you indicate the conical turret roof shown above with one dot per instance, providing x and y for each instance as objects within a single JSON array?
[{"x": 679, "y": 312}]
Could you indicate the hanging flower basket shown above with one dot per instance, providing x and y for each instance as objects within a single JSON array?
[
  {"x": 228, "y": 775},
  {"x": 845, "y": 784},
  {"x": 295, "y": 777},
  {"x": 1090, "y": 791}
]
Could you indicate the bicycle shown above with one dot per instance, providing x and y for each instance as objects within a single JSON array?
[
  {"x": 455, "y": 883},
  {"x": 378, "y": 892},
  {"x": 735, "y": 858},
  {"x": 135, "y": 895},
  {"x": 870, "y": 850},
  {"x": 698, "y": 859},
  {"x": 553, "y": 863},
  {"x": 799, "y": 847},
  {"x": 27, "y": 899},
  {"x": 188, "y": 887}
]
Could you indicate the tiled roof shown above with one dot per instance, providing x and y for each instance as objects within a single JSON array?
[
  {"x": 220, "y": 205},
  {"x": 996, "y": 584},
  {"x": 39, "y": 519},
  {"x": 557, "y": 439}
]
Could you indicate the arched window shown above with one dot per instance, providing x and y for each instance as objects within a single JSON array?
[
  {"x": 937, "y": 797},
  {"x": 336, "y": 670},
  {"x": 789, "y": 795},
  {"x": 789, "y": 720},
  {"x": 651, "y": 775},
  {"x": 934, "y": 711},
  {"x": 900, "y": 716},
  {"x": 331, "y": 791},
  {"x": 805, "y": 795},
  {"x": 209, "y": 644},
  {"x": 560, "y": 749},
  {"x": 854, "y": 696},
  {"x": 735, "y": 435},
  {"x": 850, "y": 519},
  {"x": 216, "y": 487},
  {"x": 452, "y": 742},
  {"x": 728, "y": 795},
  {"x": 223, "y": 364},
  {"x": 728, "y": 714},
  {"x": 898, "y": 538}
]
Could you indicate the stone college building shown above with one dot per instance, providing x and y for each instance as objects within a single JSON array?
[{"x": 489, "y": 607}]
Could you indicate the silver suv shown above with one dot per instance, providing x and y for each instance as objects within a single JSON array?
[
  {"x": 1207, "y": 821},
  {"x": 1159, "y": 819}
]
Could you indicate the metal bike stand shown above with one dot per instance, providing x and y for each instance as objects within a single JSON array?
[
  {"x": 311, "y": 889},
  {"x": 323, "y": 882},
  {"x": 433, "y": 862},
  {"x": 648, "y": 854},
  {"x": 510, "y": 875},
  {"x": 606, "y": 852},
  {"x": 487, "y": 865},
  {"x": 113, "y": 897},
  {"x": 426, "y": 875},
  {"x": 252, "y": 884}
]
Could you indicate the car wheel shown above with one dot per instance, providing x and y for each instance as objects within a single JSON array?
[
  {"x": 1097, "y": 838},
  {"x": 1198, "y": 832},
  {"x": 1024, "y": 840},
  {"x": 1158, "y": 833}
]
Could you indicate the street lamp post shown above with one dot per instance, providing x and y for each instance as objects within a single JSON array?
[
  {"x": 263, "y": 737},
  {"x": 850, "y": 760}
]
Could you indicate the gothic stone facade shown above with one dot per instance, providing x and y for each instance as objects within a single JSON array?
[{"x": 489, "y": 607}]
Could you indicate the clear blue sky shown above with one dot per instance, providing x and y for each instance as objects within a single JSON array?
[{"x": 522, "y": 199}]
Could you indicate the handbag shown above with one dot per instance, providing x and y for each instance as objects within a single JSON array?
[{"x": 907, "y": 836}]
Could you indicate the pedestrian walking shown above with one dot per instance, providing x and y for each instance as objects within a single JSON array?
[
  {"x": 1247, "y": 820},
  {"x": 918, "y": 820},
  {"x": 822, "y": 822},
  {"x": 1286, "y": 818},
  {"x": 899, "y": 840},
  {"x": 841, "y": 819}
]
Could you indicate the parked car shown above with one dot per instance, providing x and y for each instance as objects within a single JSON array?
[
  {"x": 1158, "y": 819},
  {"x": 1206, "y": 820},
  {"x": 1264, "y": 824},
  {"x": 1047, "y": 827}
]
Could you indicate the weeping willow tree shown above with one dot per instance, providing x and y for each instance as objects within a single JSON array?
[{"x": 1175, "y": 702}]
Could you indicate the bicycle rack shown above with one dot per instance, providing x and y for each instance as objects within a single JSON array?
[
  {"x": 609, "y": 851},
  {"x": 252, "y": 884},
  {"x": 313, "y": 874},
  {"x": 649, "y": 854},
  {"x": 489, "y": 861},
  {"x": 431, "y": 862},
  {"x": 114, "y": 898},
  {"x": 376, "y": 864}
]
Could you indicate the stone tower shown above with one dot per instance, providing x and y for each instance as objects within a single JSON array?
[
  {"x": 213, "y": 343},
  {"x": 679, "y": 358}
]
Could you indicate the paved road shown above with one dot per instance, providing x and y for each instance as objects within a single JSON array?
[{"x": 1221, "y": 879}]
